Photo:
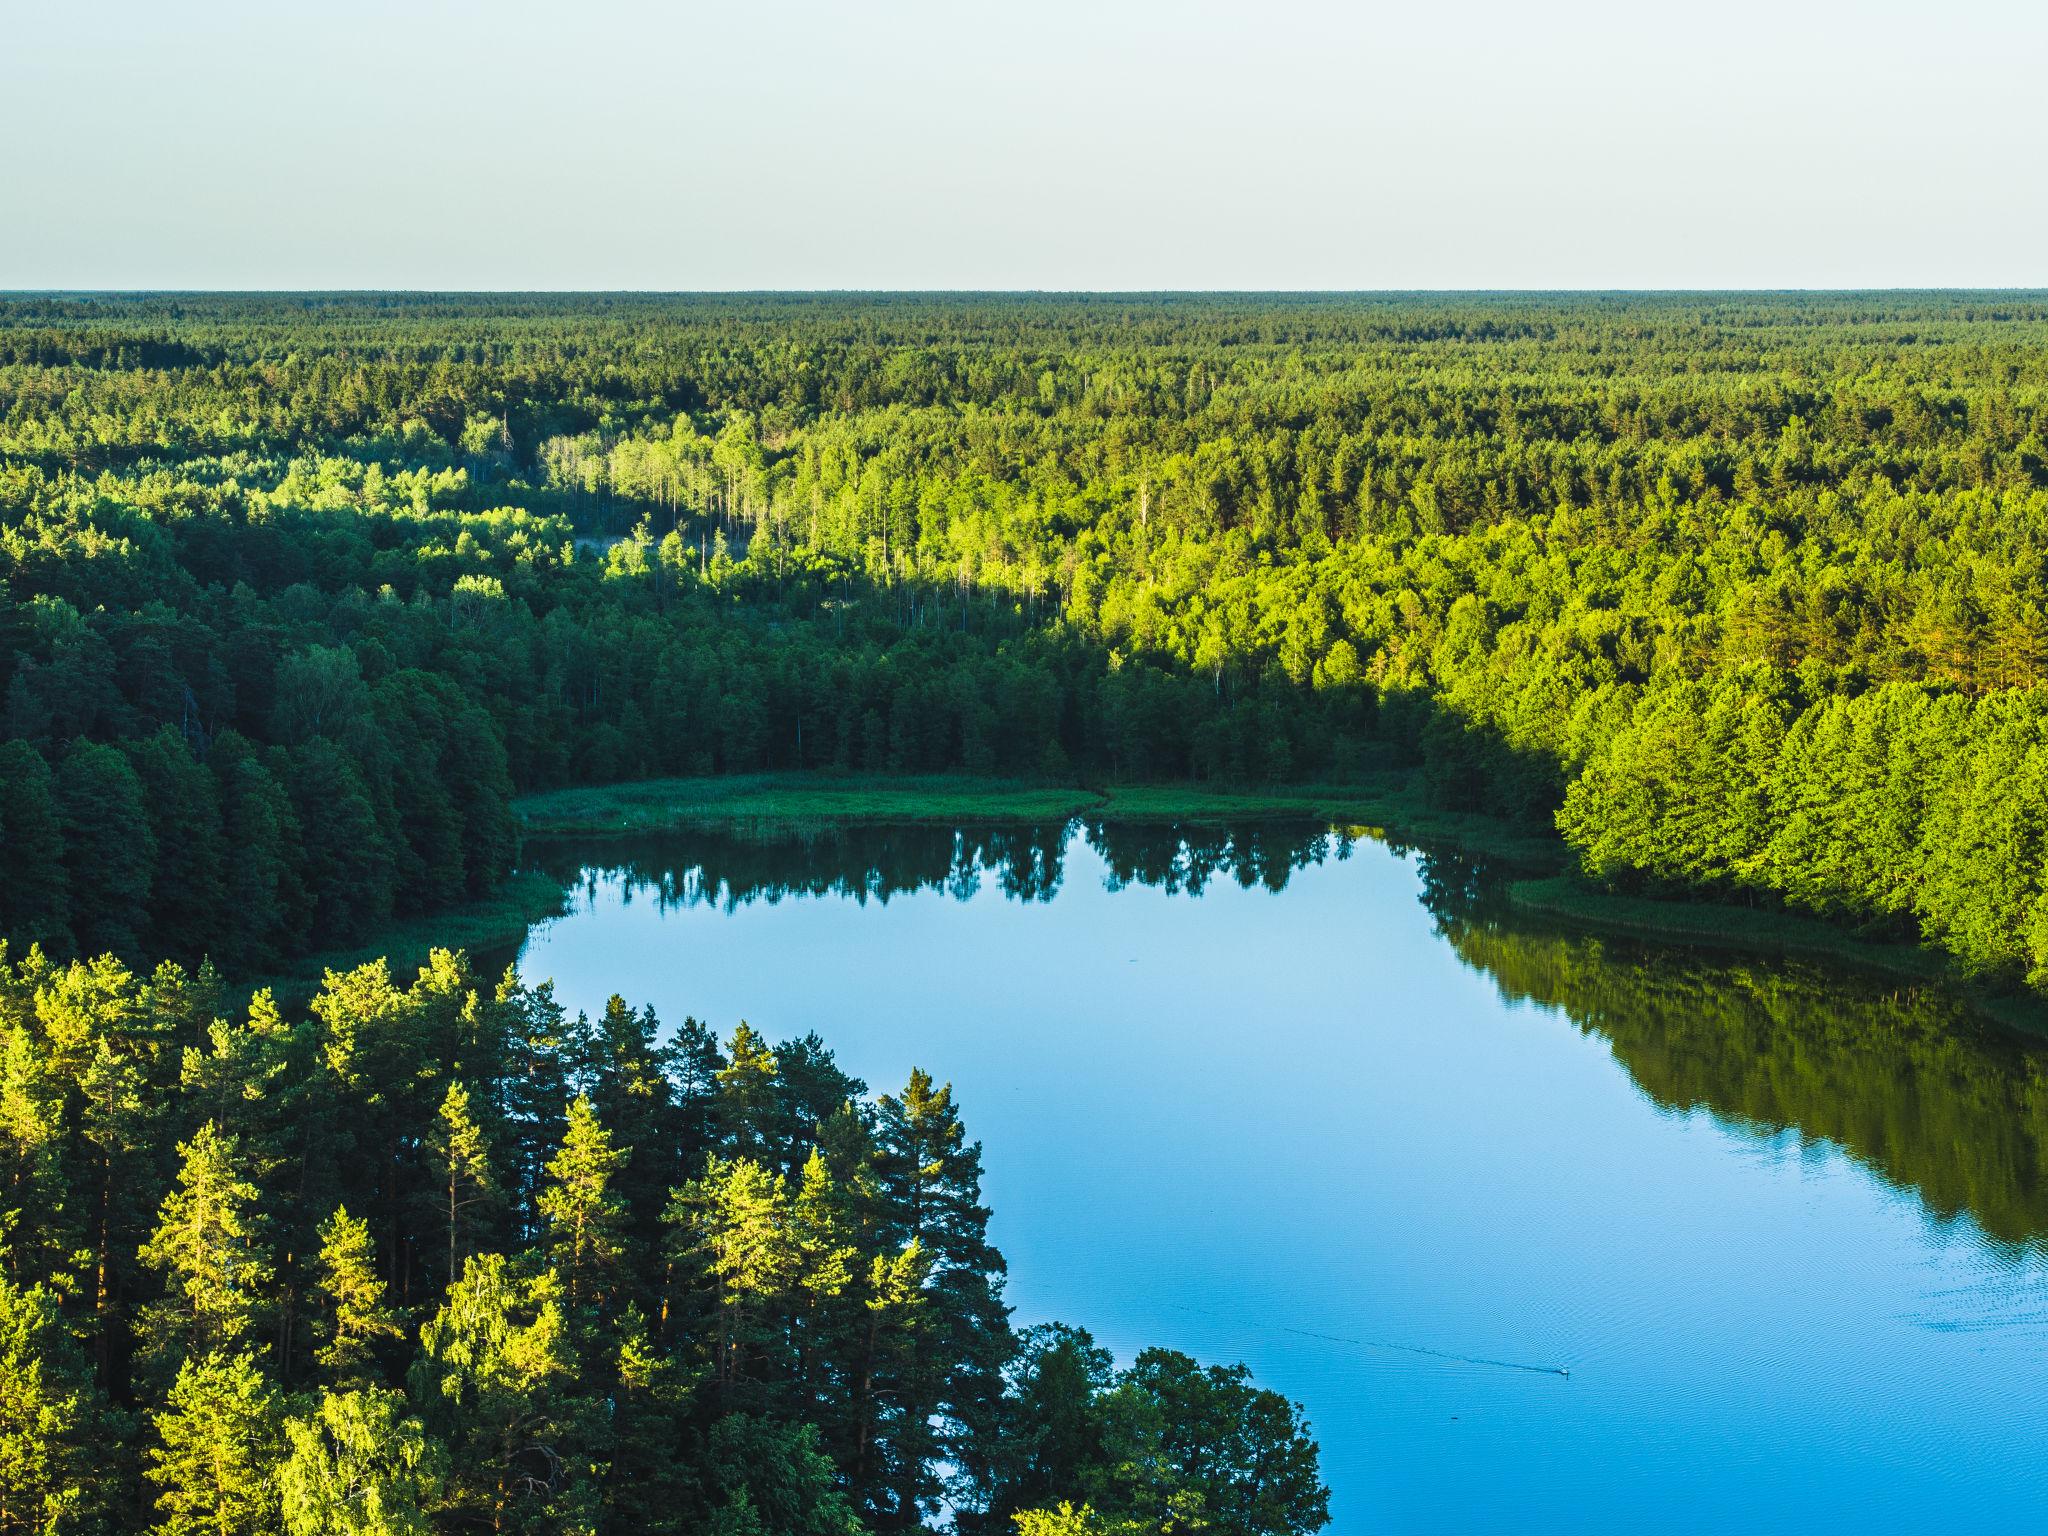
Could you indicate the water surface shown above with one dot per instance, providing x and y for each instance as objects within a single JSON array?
[{"x": 1317, "y": 1104}]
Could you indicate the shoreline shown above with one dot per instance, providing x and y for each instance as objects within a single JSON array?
[
  {"x": 496, "y": 921},
  {"x": 1391, "y": 808}
]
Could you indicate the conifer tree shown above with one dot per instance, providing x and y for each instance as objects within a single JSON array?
[
  {"x": 55, "y": 1439},
  {"x": 635, "y": 1102},
  {"x": 930, "y": 1177},
  {"x": 211, "y": 1249},
  {"x": 585, "y": 1220},
  {"x": 353, "y": 1317},
  {"x": 746, "y": 1093},
  {"x": 38, "y": 1229},
  {"x": 826, "y": 1260},
  {"x": 545, "y": 1052},
  {"x": 732, "y": 1227},
  {"x": 183, "y": 805},
  {"x": 219, "y": 1444},
  {"x": 893, "y": 1443},
  {"x": 692, "y": 1062},
  {"x": 109, "y": 851},
  {"x": 466, "y": 1191},
  {"x": 646, "y": 1474},
  {"x": 34, "y": 901}
]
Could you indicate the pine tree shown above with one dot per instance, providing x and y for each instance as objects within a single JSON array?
[
  {"x": 645, "y": 1475},
  {"x": 210, "y": 1247},
  {"x": 40, "y": 1228},
  {"x": 732, "y": 1227},
  {"x": 809, "y": 1090},
  {"x": 109, "y": 851},
  {"x": 261, "y": 891},
  {"x": 584, "y": 1219},
  {"x": 460, "y": 1157},
  {"x": 746, "y": 1093},
  {"x": 54, "y": 1438},
  {"x": 242, "y": 1081},
  {"x": 893, "y": 1439},
  {"x": 636, "y": 1103},
  {"x": 353, "y": 1317},
  {"x": 692, "y": 1063},
  {"x": 359, "y": 1466},
  {"x": 183, "y": 801},
  {"x": 826, "y": 1262},
  {"x": 545, "y": 1052},
  {"x": 219, "y": 1445},
  {"x": 929, "y": 1179}
]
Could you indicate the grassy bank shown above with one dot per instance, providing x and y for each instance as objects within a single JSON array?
[
  {"x": 1393, "y": 806},
  {"x": 498, "y": 921},
  {"x": 1750, "y": 930},
  {"x": 793, "y": 800},
  {"x": 1714, "y": 925}
]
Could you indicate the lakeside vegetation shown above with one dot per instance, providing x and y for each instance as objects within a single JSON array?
[
  {"x": 441, "y": 1256},
  {"x": 1397, "y": 801},
  {"x": 311, "y": 604}
]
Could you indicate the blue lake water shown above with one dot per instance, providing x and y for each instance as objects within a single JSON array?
[{"x": 1336, "y": 1114}]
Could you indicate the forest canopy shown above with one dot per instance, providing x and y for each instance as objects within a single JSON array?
[
  {"x": 1743, "y": 593},
  {"x": 442, "y": 1257},
  {"x": 1741, "y": 596}
]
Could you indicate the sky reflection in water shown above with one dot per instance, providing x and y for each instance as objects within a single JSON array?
[{"x": 1318, "y": 1104}]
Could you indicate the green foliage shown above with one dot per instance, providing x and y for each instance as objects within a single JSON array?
[
  {"x": 34, "y": 900},
  {"x": 352, "y": 1319},
  {"x": 211, "y": 1249},
  {"x": 1193, "y": 1449},
  {"x": 496, "y": 1378},
  {"x": 219, "y": 1440},
  {"x": 301, "y": 590},
  {"x": 358, "y": 1466},
  {"x": 53, "y": 1433},
  {"x": 1066, "y": 1520},
  {"x": 584, "y": 1219},
  {"x": 466, "y": 1190},
  {"x": 109, "y": 850},
  {"x": 768, "y": 1479},
  {"x": 807, "y": 1337}
]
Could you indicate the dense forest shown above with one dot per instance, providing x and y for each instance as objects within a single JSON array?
[
  {"x": 1744, "y": 597},
  {"x": 1749, "y": 594},
  {"x": 440, "y": 1257}
]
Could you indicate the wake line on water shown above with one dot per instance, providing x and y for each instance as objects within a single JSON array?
[{"x": 1404, "y": 1349}]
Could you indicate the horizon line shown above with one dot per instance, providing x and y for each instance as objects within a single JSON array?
[{"x": 144, "y": 291}]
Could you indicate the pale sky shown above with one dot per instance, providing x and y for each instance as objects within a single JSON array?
[{"x": 1118, "y": 144}]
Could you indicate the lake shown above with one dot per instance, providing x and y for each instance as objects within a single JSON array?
[{"x": 1286, "y": 1096}]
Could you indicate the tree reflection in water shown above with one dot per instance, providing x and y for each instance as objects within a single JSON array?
[{"x": 1905, "y": 1079}]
